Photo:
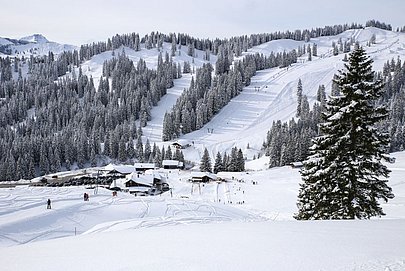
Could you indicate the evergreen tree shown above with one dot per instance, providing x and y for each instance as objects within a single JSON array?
[
  {"x": 233, "y": 165},
  {"x": 344, "y": 178},
  {"x": 130, "y": 148},
  {"x": 158, "y": 158},
  {"x": 43, "y": 162},
  {"x": 168, "y": 154},
  {"x": 168, "y": 128},
  {"x": 139, "y": 149},
  {"x": 147, "y": 152},
  {"x": 321, "y": 97},
  {"x": 240, "y": 161},
  {"x": 335, "y": 49},
  {"x": 309, "y": 53},
  {"x": 205, "y": 165},
  {"x": 315, "y": 49},
  {"x": 225, "y": 162},
  {"x": 304, "y": 107},
  {"x": 122, "y": 150},
  {"x": 218, "y": 166},
  {"x": 299, "y": 98}
]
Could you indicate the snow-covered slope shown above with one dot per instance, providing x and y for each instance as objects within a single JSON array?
[
  {"x": 94, "y": 66},
  {"x": 248, "y": 117},
  {"x": 153, "y": 131},
  {"x": 4, "y": 41},
  {"x": 236, "y": 225}
]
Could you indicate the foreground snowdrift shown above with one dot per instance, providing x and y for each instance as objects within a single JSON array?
[{"x": 286, "y": 245}]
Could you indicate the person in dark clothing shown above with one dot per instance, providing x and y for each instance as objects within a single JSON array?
[{"x": 49, "y": 204}]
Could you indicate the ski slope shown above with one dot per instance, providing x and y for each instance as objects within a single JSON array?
[
  {"x": 154, "y": 128},
  {"x": 271, "y": 95},
  {"x": 248, "y": 117}
]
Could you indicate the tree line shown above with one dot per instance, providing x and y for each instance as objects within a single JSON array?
[{"x": 234, "y": 162}]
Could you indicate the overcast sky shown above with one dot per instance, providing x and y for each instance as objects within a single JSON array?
[{"x": 82, "y": 21}]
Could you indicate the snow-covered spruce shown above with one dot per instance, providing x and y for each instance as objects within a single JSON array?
[{"x": 344, "y": 178}]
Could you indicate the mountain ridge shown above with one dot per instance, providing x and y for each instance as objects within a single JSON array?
[{"x": 35, "y": 44}]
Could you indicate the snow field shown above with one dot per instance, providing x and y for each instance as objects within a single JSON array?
[{"x": 196, "y": 228}]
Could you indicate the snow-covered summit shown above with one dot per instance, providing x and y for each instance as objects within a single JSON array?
[
  {"x": 36, "y": 44},
  {"x": 36, "y": 38}
]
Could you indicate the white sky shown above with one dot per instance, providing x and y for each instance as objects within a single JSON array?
[{"x": 77, "y": 22}]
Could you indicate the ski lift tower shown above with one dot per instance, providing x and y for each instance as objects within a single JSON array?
[{"x": 96, "y": 188}]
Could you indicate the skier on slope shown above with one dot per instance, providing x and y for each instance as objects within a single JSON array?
[{"x": 48, "y": 204}]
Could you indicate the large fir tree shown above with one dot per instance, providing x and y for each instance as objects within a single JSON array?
[
  {"x": 205, "y": 165},
  {"x": 344, "y": 178},
  {"x": 218, "y": 166}
]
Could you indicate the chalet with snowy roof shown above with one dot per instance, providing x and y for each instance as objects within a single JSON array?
[
  {"x": 142, "y": 167},
  {"x": 202, "y": 177},
  {"x": 296, "y": 164},
  {"x": 119, "y": 169},
  {"x": 181, "y": 144},
  {"x": 129, "y": 186},
  {"x": 172, "y": 164},
  {"x": 225, "y": 176},
  {"x": 139, "y": 183}
]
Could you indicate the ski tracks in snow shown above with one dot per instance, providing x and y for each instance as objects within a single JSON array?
[{"x": 163, "y": 212}]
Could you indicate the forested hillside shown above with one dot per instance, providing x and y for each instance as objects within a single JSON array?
[{"x": 52, "y": 117}]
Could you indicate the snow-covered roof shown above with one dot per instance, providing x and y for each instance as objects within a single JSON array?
[
  {"x": 297, "y": 164},
  {"x": 144, "y": 165},
  {"x": 228, "y": 175},
  {"x": 124, "y": 169},
  {"x": 172, "y": 163},
  {"x": 197, "y": 174},
  {"x": 141, "y": 178},
  {"x": 138, "y": 189},
  {"x": 182, "y": 142},
  {"x": 154, "y": 172},
  {"x": 118, "y": 183}
]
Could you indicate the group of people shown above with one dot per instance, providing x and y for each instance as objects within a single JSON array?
[{"x": 48, "y": 202}]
